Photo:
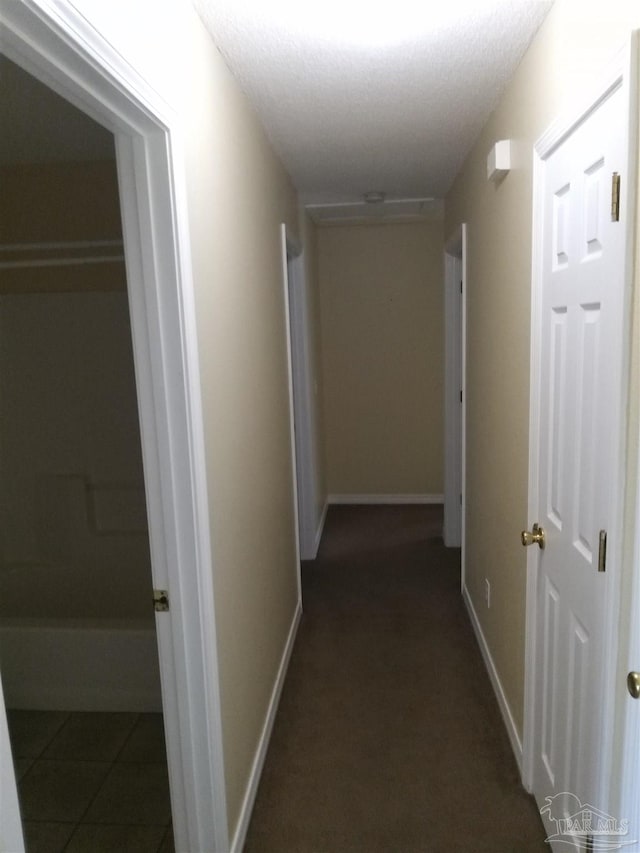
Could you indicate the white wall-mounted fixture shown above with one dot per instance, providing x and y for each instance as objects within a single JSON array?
[
  {"x": 499, "y": 160},
  {"x": 389, "y": 210}
]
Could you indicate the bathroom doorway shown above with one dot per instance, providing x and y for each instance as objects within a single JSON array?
[{"x": 77, "y": 638}]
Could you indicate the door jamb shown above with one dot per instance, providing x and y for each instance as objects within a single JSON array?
[
  {"x": 620, "y": 72},
  {"x": 54, "y": 43},
  {"x": 455, "y": 259},
  {"x": 291, "y": 250},
  {"x": 303, "y": 399},
  {"x": 11, "y": 837},
  {"x": 626, "y": 784}
]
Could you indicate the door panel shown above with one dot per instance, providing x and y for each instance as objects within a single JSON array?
[
  {"x": 581, "y": 402},
  {"x": 549, "y": 695}
]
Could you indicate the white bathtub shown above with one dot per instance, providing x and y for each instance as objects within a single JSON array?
[{"x": 80, "y": 665}]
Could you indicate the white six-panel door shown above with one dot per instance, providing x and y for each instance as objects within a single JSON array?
[{"x": 579, "y": 447}]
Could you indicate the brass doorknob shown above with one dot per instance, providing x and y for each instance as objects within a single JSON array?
[
  {"x": 633, "y": 684},
  {"x": 535, "y": 537}
]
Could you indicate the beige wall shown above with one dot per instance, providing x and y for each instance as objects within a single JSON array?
[
  {"x": 381, "y": 303},
  {"x": 72, "y": 506},
  {"x": 49, "y": 203},
  {"x": 72, "y": 509},
  {"x": 60, "y": 201},
  {"x": 239, "y": 194},
  {"x": 569, "y": 51}
]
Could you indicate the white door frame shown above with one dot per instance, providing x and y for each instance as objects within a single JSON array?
[
  {"x": 626, "y": 803},
  {"x": 455, "y": 272},
  {"x": 291, "y": 251},
  {"x": 627, "y": 792},
  {"x": 54, "y": 43},
  {"x": 303, "y": 400},
  {"x": 11, "y": 837},
  {"x": 621, "y": 72}
]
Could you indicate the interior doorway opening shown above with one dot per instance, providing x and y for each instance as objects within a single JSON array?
[
  {"x": 75, "y": 61},
  {"x": 78, "y": 643},
  {"x": 302, "y": 395},
  {"x": 455, "y": 371}
]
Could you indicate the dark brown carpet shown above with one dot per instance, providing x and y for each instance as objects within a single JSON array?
[{"x": 388, "y": 736}]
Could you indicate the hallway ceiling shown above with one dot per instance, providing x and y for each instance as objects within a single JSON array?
[{"x": 358, "y": 95}]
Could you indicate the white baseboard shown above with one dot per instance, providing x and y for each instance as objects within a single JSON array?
[
  {"x": 507, "y": 716},
  {"x": 240, "y": 833},
  {"x": 386, "y": 499},
  {"x": 80, "y": 668},
  {"x": 320, "y": 530}
]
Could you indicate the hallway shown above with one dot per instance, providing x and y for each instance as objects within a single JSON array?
[{"x": 388, "y": 736}]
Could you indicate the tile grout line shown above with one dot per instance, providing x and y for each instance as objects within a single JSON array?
[
  {"x": 128, "y": 738},
  {"x": 34, "y": 759},
  {"x": 37, "y": 758},
  {"x": 101, "y": 786},
  {"x": 56, "y": 733},
  {"x": 74, "y": 826}
]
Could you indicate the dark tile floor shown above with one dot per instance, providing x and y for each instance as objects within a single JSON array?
[{"x": 92, "y": 782}]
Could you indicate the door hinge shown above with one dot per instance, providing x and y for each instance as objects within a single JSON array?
[
  {"x": 460, "y": 396},
  {"x": 602, "y": 552},
  {"x": 460, "y": 287},
  {"x": 160, "y": 600},
  {"x": 615, "y": 197}
]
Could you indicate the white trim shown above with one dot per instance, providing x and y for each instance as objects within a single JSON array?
[
  {"x": 265, "y": 736},
  {"x": 463, "y": 438},
  {"x": 60, "y": 262},
  {"x": 320, "y": 530},
  {"x": 611, "y": 79},
  {"x": 301, "y": 410},
  {"x": 614, "y": 700},
  {"x": 386, "y": 499},
  {"x": 172, "y": 431},
  {"x": 532, "y": 503},
  {"x": 285, "y": 243},
  {"x": 11, "y": 838},
  {"x": 503, "y": 704},
  {"x": 621, "y": 72},
  {"x": 56, "y": 44},
  {"x": 454, "y": 384},
  {"x": 629, "y": 782},
  {"x": 627, "y": 710},
  {"x": 60, "y": 245},
  {"x": 451, "y": 529},
  {"x": 303, "y": 399}
]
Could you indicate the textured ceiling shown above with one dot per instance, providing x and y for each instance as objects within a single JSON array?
[{"x": 349, "y": 114}]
